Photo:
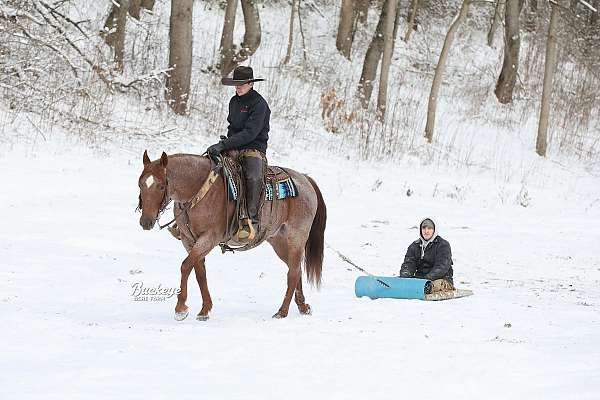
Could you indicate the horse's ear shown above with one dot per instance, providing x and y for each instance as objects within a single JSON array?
[
  {"x": 164, "y": 159},
  {"x": 146, "y": 158}
]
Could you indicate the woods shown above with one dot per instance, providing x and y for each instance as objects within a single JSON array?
[{"x": 531, "y": 40}]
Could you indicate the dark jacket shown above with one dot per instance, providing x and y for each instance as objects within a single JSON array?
[
  {"x": 435, "y": 264},
  {"x": 248, "y": 122}
]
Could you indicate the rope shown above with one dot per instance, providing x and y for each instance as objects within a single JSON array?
[{"x": 346, "y": 259}]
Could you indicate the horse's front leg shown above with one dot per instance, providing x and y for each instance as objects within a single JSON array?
[
  {"x": 181, "y": 310},
  {"x": 200, "y": 270},
  {"x": 195, "y": 260}
]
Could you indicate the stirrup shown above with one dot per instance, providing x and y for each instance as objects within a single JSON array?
[{"x": 246, "y": 230}]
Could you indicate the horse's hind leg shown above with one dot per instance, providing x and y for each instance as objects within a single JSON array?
[
  {"x": 292, "y": 257},
  {"x": 293, "y": 276},
  {"x": 303, "y": 307}
]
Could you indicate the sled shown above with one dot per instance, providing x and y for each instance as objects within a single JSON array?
[{"x": 402, "y": 288}]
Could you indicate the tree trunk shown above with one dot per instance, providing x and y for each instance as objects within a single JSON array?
[
  {"x": 495, "y": 21},
  {"x": 288, "y": 53},
  {"x": 439, "y": 70},
  {"x": 345, "y": 33},
  {"x": 512, "y": 43},
  {"x": 369, "y": 70},
  {"x": 361, "y": 10},
  {"x": 180, "y": 55},
  {"x": 252, "y": 31},
  {"x": 412, "y": 26},
  {"x": 114, "y": 25},
  {"x": 119, "y": 43},
  {"x": 135, "y": 8},
  {"x": 594, "y": 16},
  {"x": 226, "y": 48},
  {"x": 148, "y": 4},
  {"x": 533, "y": 6},
  {"x": 388, "y": 50},
  {"x": 252, "y": 36},
  {"x": 549, "y": 70},
  {"x": 304, "y": 52}
]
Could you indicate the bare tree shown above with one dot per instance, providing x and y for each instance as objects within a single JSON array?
[
  {"x": 252, "y": 35},
  {"x": 226, "y": 48},
  {"x": 594, "y": 15},
  {"x": 412, "y": 16},
  {"x": 388, "y": 50},
  {"x": 371, "y": 63},
  {"x": 288, "y": 53},
  {"x": 180, "y": 55},
  {"x": 115, "y": 37},
  {"x": 345, "y": 33},
  {"x": 114, "y": 25},
  {"x": 533, "y": 5},
  {"x": 495, "y": 22},
  {"x": 441, "y": 66},
  {"x": 512, "y": 43},
  {"x": 549, "y": 70},
  {"x": 361, "y": 8},
  {"x": 352, "y": 13}
]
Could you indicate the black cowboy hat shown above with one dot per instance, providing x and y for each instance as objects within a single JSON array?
[{"x": 241, "y": 76}]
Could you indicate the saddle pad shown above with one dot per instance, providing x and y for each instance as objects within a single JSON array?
[
  {"x": 231, "y": 187},
  {"x": 283, "y": 189}
]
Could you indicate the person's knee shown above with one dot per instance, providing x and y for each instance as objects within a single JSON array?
[{"x": 253, "y": 170}]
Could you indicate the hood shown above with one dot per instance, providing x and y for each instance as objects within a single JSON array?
[{"x": 422, "y": 241}]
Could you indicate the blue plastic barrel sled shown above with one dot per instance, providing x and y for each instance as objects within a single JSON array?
[{"x": 400, "y": 288}]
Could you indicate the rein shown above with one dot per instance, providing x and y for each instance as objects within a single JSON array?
[{"x": 204, "y": 189}]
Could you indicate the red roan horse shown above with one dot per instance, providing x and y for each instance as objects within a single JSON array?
[{"x": 296, "y": 228}]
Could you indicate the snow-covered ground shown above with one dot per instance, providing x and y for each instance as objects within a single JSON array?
[{"x": 71, "y": 248}]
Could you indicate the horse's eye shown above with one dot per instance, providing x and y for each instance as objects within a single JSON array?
[{"x": 161, "y": 187}]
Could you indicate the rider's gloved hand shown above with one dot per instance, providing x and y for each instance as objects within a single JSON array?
[{"x": 215, "y": 150}]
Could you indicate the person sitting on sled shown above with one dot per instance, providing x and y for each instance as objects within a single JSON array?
[{"x": 429, "y": 257}]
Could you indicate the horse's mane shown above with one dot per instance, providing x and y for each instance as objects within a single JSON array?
[{"x": 187, "y": 155}]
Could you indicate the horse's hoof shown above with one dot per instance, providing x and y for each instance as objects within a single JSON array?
[
  {"x": 279, "y": 315},
  {"x": 305, "y": 310},
  {"x": 200, "y": 317},
  {"x": 180, "y": 316}
]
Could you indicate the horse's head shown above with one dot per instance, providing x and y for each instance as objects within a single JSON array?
[{"x": 153, "y": 190}]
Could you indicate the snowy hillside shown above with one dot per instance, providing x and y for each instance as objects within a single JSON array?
[{"x": 72, "y": 249}]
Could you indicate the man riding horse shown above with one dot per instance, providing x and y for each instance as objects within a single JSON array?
[{"x": 248, "y": 132}]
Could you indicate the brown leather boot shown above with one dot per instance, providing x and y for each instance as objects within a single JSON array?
[
  {"x": 247, "y": 230},
  {"x": 254, "y": 168}
]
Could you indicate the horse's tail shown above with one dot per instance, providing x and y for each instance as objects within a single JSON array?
[{"x": 313, "y": 249}]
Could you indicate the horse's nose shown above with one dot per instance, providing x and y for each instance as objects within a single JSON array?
[{"x": 146, "y": 223}]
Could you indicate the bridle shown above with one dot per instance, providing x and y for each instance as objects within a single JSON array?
[
  {"x": 210, "y": 180},
  {"x": 164, "y": 203}
]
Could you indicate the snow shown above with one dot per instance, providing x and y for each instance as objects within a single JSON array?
[{"x": 72, "y": 252}]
